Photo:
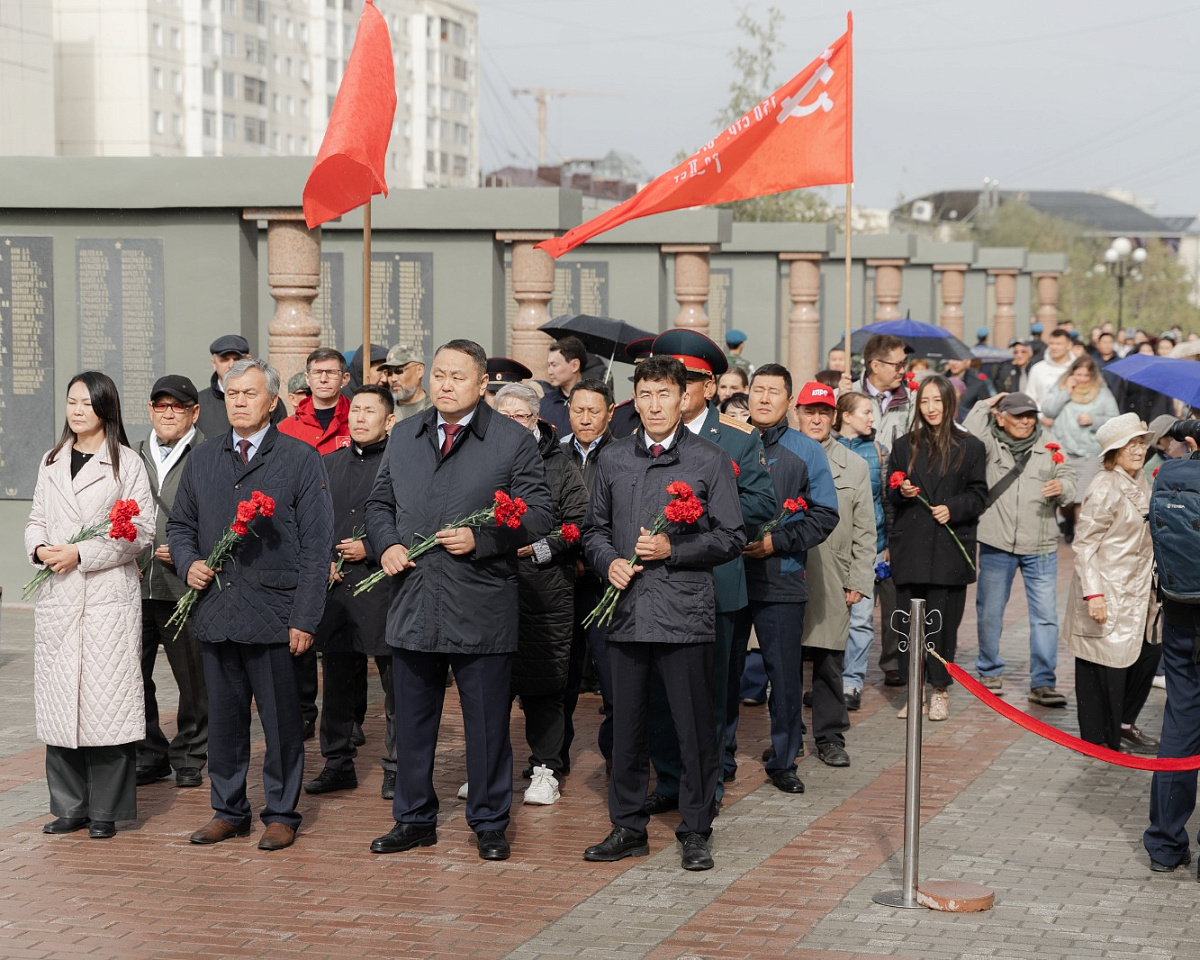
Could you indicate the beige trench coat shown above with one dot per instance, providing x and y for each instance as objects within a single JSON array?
[
  {"x": 846, "y": 559},
  {"x": 87, "y": 629},
  {"x": 1114, "y": 557}
]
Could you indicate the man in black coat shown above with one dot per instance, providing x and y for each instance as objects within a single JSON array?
[
  {"x": 456, "y": 606},
  {"x": 666, "y": 614},
  {"x": 225, "y": 352},
  {"x": 266, "y": 607},
  {"x": 353, "y": 627}
]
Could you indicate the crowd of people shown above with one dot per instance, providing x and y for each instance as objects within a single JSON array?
[{"x": 689, "y": 548}]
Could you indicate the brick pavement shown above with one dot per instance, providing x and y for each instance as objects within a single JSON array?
[{"x": 1056, "y": 836}]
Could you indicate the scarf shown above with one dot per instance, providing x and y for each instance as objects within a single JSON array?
[{"x": 1016, "y": 447}]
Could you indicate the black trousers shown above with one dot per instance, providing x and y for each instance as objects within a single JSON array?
[
  {"x": 483, "y": 689},
  {"x": 1107, "y": 697},
  {"x": 889, "y": 640},
  {"x": 189, "y": 746},
  {"x": 307, "y": 666},
  {"x": 829, "y": 717},
  {"x": 544, "y": 722},
  {"x": 587, "y": 644},
  {"x": 268, "y": 673},
  {"x": 950, "y": 602},
  {"x": 742, "y": 625},
  {"x": 686, "y": 670},
  {"x": 95, "y": 782},
  {"x": 343, "y": 674}
]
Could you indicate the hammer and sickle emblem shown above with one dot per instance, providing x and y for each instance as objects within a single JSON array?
[{"x": 796, "y": 107}]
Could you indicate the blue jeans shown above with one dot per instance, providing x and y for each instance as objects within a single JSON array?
[
  {"x": 997, "y": 569},
  {"x": 858, "y": 644}
]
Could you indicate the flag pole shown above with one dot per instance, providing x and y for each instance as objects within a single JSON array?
[
  {"x": 366, "y": 298},
  {"x": 849, "y": 187}
]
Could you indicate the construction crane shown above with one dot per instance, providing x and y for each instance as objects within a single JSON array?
[{"x": 542, "y": 95}]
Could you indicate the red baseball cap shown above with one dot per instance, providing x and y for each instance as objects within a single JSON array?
[{"x": 814, "y": 393}]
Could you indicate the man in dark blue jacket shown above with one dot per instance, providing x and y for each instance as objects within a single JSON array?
[
  {"x": 665, "y": 616},
  {"x": 268, "y": 602},
  {"x": 457, "y": 605},
  {"x": 775, "y": 563}
]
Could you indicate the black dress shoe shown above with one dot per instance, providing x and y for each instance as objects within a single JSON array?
[
  {"x": 388, "y": 790},
  {"x": 404, "y": 836},
  {"x": 806, "y": 700},
  {"x": 152, "y": 773},
  {"x": 892, "y": 678},
  {"x": 728, "y": 776},
  {"x": 658, "y": 803},
  {"x": 102, "y": 830},
  {"x": 310, "y": 729},
  {"x": 1139, "y": 740},
  {"x": 357, "y": 737},
  {"x": 493, "y": 845},
  {"x": 188, "y": 777},
  {"x": 1159, "y": 867},
  {"x": 788, "y": 782},
  {"x": 853, "y": 699},
  {"x": 695, "y": 853},
  {"x": 619, "y": 844},
  {"x": 833, "y": 754},
  {"x": 329, "y": 780},
  {"x": 65, "y": 825}
]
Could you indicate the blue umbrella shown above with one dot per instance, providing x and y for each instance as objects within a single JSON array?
[
  {"x": 1174, "y": 377},
  {"x": 926, "y": 340}
]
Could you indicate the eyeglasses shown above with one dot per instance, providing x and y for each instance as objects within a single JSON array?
[
  {"x": 173, "y": 407},
  {"x": 523, "y": 417},
  {"x": 897, "y": 364},
  {"x": 325, "y": 374}
]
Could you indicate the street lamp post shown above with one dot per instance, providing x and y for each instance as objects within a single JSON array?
[{"x": 1122, "y": 260}]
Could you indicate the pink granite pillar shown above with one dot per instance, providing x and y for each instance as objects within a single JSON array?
[
  {"x": 888, "y": 286},
  {"x": 1047, "y": 295},
  {"x": 294, "y": 275},
  {"x": 691, "y": 284},
  {"x": 953, "y": 290},
  {"x": 1004, "y": 326},
  {"x": 804, "y": 322},
  {"x": 533, "y": 287}
]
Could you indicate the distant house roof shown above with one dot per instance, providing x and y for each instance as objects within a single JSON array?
[
  {"x": 1096, "y": 211},
  {"x": 1182, "y": 224}
]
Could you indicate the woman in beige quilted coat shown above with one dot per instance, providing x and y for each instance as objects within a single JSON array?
[{"x": 88, "y": 617}]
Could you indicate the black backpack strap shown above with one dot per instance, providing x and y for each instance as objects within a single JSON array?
[{"x": 1006, "y": 481}]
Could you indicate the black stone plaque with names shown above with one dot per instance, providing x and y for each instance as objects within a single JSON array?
[
  {"x": 720, "y": 302},
  {"x": 122, "y": 319},
  {"x": 329, "y": 309},
  {"x": 28, "y": 426},
  {"x": 402, "y": 299},
  {"x": 580, "y": 287}
]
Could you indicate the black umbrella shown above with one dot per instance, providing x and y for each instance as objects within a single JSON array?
[
  {"x": 926, "y": 340},
  {"x": 602, "y": 336}
]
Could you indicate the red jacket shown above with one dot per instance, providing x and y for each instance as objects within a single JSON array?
[{"x": 304, "y": 425}]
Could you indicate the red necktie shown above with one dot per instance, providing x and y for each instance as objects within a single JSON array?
[
  {"x": 244, "y": 449},
  {"x": 450, "y": 430},
  {"x": 656, "y": 450}
]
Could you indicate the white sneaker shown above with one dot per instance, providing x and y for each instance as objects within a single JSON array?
[
  {"x": 1159, "y": 682},
  {"x": 543, "y": 788},
  {"x": 939, "y": 704},
  {"x": 462, "y": 792}
]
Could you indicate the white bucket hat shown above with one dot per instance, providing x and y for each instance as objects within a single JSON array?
[{"x": 1120, "y": 430}]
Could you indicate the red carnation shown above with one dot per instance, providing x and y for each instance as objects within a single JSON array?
[
  {"x": 896, "y": 480},
  {"x": 910, "y": 380},
  {"x": 247, "y": 510},
  {"x": 680, "y": 489},
  {"x": 265, "y": 504},
  {"x": 1052, "y": 447},
  {"x": 240, "y": 527},
  {"x": 795, "y": 504},
  {"x": 570, "y": 532},
  {"x": 1057, "y": 458},
  {"x": 737, "y": 471},
  {"x": 1155, "y": 473}
]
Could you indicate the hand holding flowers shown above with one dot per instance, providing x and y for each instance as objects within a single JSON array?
[
  {"x": 119, "y": 528},
  {"x": 941, "y": 513}
]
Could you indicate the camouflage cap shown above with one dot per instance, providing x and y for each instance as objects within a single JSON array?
[
  {"x": 404, "y": 353},
  {"x": 298, "y": 384}
]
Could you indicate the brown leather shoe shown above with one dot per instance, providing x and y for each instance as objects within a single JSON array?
[
  {"x": 217, "y": 830},
  {"x": 277, "y": 836}
]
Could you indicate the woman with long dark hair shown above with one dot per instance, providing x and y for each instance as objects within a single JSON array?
[
  {"x": 945, "y": 467},
  {"x": 88, "y": 695}
]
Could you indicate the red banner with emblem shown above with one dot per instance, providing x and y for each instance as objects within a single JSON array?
[{"x": 800, "y": 136}]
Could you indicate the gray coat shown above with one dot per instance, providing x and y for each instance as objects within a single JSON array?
[
  {"x": 161, "y": 581},
  {"x": 672, "y": 600},
  {"x": 457, "y": 604}
]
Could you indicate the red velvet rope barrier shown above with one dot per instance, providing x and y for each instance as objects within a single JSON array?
[{"x": 1044, "y": 730}]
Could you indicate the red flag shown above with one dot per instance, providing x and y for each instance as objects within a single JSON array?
[
  {"x": 800, "y": 136},
  {"x": 349, "y": 167}
]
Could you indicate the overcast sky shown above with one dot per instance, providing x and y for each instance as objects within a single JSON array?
[{"x": 1040, "y": 94}]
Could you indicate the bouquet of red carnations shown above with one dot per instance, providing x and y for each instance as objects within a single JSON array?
[
  {"x": 259, "y": 504},
  {"x": 119, "y": 528},
  {"x": 684, "y": 508},
  {"x": 792, "y": 505},
  {"x": 505, "y": 511}
]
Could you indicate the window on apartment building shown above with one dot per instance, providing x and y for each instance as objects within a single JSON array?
[
  {"x": 290, "y": 30},
  {"x": 229, "y": 7},
  {"x": 444, "y": 129},
  {"x": 228, "y": 84},
  {"x": 288, "y": 66},
  {"x": 462, "y": 134},
  {"x": 430, "y": 62},
  {"x": 291, "y": 107},
  {"x": 444, "y": 162},
  {"x": 430, "y": 161},
  {"x": 348, "y": 36},
  {"x": 329, "y": 105},
  {"x": 304, "y": 146},
  {"x": 460, "y": 68},
  {"x": 254, "y": 91},
  {"x": 206, "y": 39},
  {"x": 177, "y": 125},
  {"x": 275, "y": 24},
  {"x": 228, "y": 44},
  {"x": 206, "y": 5},
  {"x": 430, "y": 128},
  {"x": 274, "y": 103},
  {"x": 157, "y": 34},
  {"x": 446, "y": 99},
  {"x": 229, "y": 126},
  {"x": 304, "y": 70},
  {"x": 156, "y": 78},
  {"x": 156, "y": 120},
  {"x": 330, "y": 34},
  {"x": 255, "y": 11},
  {"x": 208, "y": 81},
  {"x": 331, "y": 71},
  {"x": 460, "y": 166},
  {"x": 303, "y": 107},
  {"x": 459, "y": 102},
  {"x": 256, "y": 130},
  {"x": 177, "y": 83},
  {"x": 290, "y": 144},
  {"x": 331, "y": 4},
  {"x": 431, "y": 97},
  {"x": 304, "y": 33},
  {"x": 395, "y": 161},
  {"x": 176, "y": 38},
  {"x": 208, "y": 123}
]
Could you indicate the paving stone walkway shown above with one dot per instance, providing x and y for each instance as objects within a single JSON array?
[{"x": 1056, "y": 836}]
